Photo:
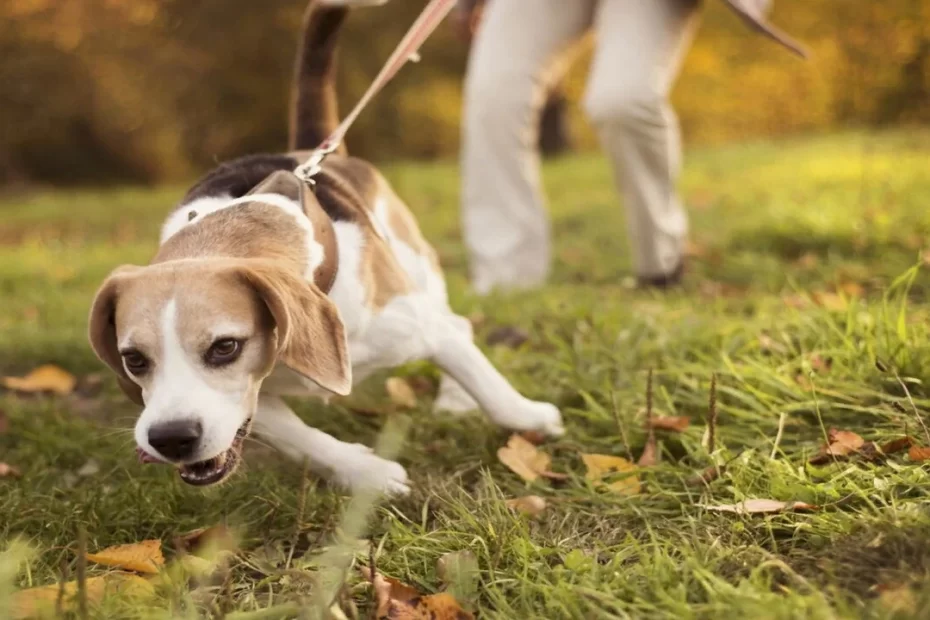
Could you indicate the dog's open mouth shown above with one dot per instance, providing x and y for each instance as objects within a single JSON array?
[
  {"x": 213, "y": 470},
  {"x": 220, "y": 466}
]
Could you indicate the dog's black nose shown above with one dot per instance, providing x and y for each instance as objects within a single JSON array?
[{"x": 175, "y": 441}]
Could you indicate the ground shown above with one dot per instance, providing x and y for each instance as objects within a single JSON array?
[{"x": 805, "y": 296}]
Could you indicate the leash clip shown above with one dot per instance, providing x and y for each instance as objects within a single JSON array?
[{"x": 314, "y": 164}]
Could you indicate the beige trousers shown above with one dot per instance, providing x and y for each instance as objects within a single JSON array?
[{"x": 521, "y": 47}]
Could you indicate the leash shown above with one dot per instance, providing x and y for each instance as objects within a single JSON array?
[{"x": 406, "y": 51}]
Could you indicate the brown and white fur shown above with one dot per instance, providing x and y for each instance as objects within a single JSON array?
[{"x": 263, "y": 288}]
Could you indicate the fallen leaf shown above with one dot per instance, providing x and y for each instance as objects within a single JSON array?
[
  {"x": 442, "y": 606},
  {"x": 36, "y": 601},
  {"x": 798, "y": 302},
  {"x": 217, "y": 537},
  {"x": 142, "y": 557},
  {"x": 677, "y": 423},
  {"x": 531, "y": 505},
  {"x": 759, "y": 506},
  {"x": 872, "y": 452},
  {"x": 400, "y": 392},
  {"x": 820, "y": 363},
  {"x": 508, "y": 336},
  {"x": 841, "y": 444},
  {"x": 830, "y": 301},
  {"x": 707, "y": 476},
  {"x": 47, "y": 378},
  {"x": 525, "y": 460},
  {"x": 650, "y": 455},
  {"x": 918, "y": 454},
  {"x": 852, "y": 289},
  {"x": 89, "y": 468},
  {"x": 398, "y": 601},
  {"x": 808, "y": 260},
  {"x": 8, "y": 471},
  {"x": 534, "y": 437},
  {"x": 601, "y": 465},
  {"x": 897, "y": 598}
]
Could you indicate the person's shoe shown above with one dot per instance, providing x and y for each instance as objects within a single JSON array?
[{"x": 665, "y": 281}]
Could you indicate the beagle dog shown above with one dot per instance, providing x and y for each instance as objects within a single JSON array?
[{"x": 265, "y": 287}]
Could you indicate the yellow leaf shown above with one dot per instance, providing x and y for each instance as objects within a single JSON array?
[
  {"x": 47, "y": 378},
  {"x": 143, "y": 557},
  {"x": 34, "y": 601},
  {"x": 601, "y": 465},
  {"x": 531, "y": 504},
  {"x": 525, "y": 460},
  {"x": 400, "y": 392}
]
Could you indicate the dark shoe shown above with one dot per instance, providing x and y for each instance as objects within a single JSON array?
[{"x": 663, "y": 282}]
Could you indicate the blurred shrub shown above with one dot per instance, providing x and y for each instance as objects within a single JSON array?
[{"x": 152, "y": 90}]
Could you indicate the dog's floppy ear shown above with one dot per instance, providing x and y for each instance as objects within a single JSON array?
[
  {"x": 102, "y": 330},
  {"x": 310, "y": 332}
]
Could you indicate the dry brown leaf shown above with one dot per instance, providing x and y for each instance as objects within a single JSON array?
[
  {"x": 650, "y": 455},
  {"x": 602, "y": 465},
  {"x": 830, "y": 301},
  {"x": 918, "y": 454},
  {"x": 842, "y": 443},
  {"x": 534, "y": 437},
  {"x": 707, "y": 476},
  {"x": 820, "y": 363},
  {"x": 8, "y": 471},
  {"x": 525, "y": 460},
  {"x": 677, "y": 423},
  {"x": 440, "y": 606},
  {"x": 400, "y": 392},
  {"x": 897, "y": 598},
  {"x": 47, "y": 378},
  {"x": 759, "y": 506},
  {"x": 508, "y": 336},
  {"x": 35, "y": 601},
  {"x": 531, "y": 505},
  {"x": 852, "y": 289},
  {"x": 808, "y": 260},
  {"x": 870, "y": 451},
  {"x": 398, "y": 601},
  {"x": 141, "y": 557}
]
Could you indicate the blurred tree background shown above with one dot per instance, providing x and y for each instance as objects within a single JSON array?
[{"x": 100, "y": 91}]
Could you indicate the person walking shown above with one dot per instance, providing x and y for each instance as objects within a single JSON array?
[{"x": 521, "y": 48}]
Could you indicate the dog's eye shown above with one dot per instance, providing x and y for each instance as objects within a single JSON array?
[
  {"x": 136, "y": 363},
  {"x": 223, "y": 351}
]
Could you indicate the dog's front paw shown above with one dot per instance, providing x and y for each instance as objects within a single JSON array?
[
  {"x": 537, "y": 416},
  {"x": 360, "y": 469}
]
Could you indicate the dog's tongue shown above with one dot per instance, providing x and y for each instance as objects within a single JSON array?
[{"x": 145, "y": 457}]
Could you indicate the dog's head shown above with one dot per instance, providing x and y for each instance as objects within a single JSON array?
[{"x": 193, "y": 340}]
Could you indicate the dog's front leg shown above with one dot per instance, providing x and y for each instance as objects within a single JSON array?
[
  {"x": 351, "y": 465},
  {"x": 457, "y": 355}
]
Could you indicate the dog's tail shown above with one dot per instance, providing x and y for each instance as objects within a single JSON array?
[{"x": 314, "y": 105}]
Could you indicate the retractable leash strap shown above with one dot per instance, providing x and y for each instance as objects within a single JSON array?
[{"x": 432, "y": 15}]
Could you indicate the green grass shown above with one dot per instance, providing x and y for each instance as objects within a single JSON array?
[{"x": 770, "y": 222}]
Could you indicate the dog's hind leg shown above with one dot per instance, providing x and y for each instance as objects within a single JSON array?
[
  {"x": 457, "y": 355},
  {"x": 452, "y": 397},
  {"x": 351, "y": 465}
]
